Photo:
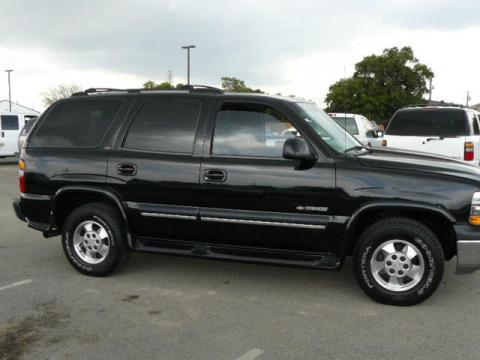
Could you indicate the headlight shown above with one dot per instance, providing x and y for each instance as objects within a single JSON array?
[{"x": 474, "y": 218}]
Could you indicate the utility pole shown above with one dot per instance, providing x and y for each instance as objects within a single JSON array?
[
  {"x": 170, "y": 76},
  {"x": 188, "y": 47},
  {"x": 9, "y": 91},
  {"x": 468, "y": 97}
]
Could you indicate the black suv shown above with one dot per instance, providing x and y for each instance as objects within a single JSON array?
[{"x": 245, "y": 177}]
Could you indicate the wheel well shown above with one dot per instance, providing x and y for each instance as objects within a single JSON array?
[
  {"x": 439, "y": 225},
  {"x": 71, "y": 200}
]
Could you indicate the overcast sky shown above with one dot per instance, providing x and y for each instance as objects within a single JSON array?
[{"x": 295, "y": 47}]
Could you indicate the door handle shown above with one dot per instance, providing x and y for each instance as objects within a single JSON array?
[
  {"x": 3, "y": 134},
  {"x": 216, "y": 175},
  {"x": 126, "y": 169}
]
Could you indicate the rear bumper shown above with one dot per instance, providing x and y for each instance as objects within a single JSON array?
[
  {"x": 35, "y": 210},
  {"x": 17, "y": 207}
]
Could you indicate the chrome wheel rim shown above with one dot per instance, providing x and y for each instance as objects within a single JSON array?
[
  {"x": 91, "y": 242},
  {"x": 397, "y": 265}
]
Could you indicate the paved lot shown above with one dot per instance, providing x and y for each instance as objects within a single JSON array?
[{"x": 162, "y": 307}]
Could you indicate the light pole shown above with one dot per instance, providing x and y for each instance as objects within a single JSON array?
[
  {"x": 188, "y": 47},
  {"x": 9, "y": 90}
]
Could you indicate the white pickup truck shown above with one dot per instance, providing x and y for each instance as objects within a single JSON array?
[
  {"x": 453, "y": 132},
  {"x": 357, "y": 125}
]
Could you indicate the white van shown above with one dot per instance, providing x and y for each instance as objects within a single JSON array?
[
  {"x": 448, "y": 131},
  {"x": 357, "y": 125},
  {"x": 10, "y": 126}
]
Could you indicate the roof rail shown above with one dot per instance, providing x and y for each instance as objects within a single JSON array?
[
  {"x": 196, "y": 88},
  {"x": 200, "y": 88},
  {"x": 436, "y": 103}
]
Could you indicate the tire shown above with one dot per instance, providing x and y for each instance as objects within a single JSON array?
[
  {"x": 402, "y": 247},
  {"x": 104, "y": 236}
]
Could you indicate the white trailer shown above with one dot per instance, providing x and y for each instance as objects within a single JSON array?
[{"x": 11, "y": 123}]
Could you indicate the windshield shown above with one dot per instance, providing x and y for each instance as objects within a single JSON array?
[
  {"x": 333, "y": 134},
  {"x": 428, "y": 122},
  {"x": 347, "y": 122}
]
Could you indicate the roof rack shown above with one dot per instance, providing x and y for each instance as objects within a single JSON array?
[
  {"x": 435, "y": 104},
  {"x": 200, "y": 88},
  {"x": 196, "y": 88}
]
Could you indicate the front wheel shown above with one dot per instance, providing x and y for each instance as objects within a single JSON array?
[{"x": 398, "y": 261}]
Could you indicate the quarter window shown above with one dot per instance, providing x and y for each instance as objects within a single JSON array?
[
  {"x": 476, "y": 122},
  {"x": 9, "y": 122},
  {"x": 476, "y": 128},
  {"x": 165, "y": 126},
  {"x": 76, "y": 124},
  {"x": 251, "y": 130}
]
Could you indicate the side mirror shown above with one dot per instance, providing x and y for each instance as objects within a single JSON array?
[{"x": 297, "y": 149}]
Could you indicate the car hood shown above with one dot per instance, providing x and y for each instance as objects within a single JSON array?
[{"x": 419, "y": 162}]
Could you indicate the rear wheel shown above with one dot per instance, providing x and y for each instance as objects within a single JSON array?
[
  {"x": 398, "y": 261},
  {"x": 93, "y": 239}
]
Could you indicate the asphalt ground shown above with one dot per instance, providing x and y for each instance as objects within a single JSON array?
[{"x": 166, "y": 307}]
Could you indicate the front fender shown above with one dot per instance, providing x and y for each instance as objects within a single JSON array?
[{"x": 390, "y": 205}]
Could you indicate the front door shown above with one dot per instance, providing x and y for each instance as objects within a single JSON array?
[
  {"x": 155, "y": 168},
  {"x": 250, "y": 195}
]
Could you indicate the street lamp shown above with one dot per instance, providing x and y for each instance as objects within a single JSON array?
[
  {"x": 9, "y": 90},
  {"x": 188, "y": 47}
]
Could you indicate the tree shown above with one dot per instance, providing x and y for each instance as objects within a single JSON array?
[
  {"x": 381, "y": 84},
  {"x": 60, "y": 92},
  {"x": 152, "y": 85},
  {"x": 232, "y": 84}
]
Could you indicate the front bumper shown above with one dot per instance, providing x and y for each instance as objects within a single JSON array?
[
  {"x": 468, "y": 248},
  {"x": 468, "y": 256}
]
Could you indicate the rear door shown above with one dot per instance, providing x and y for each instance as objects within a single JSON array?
[
  {"x": 250, "y": 195},
  {"x": 155, "y": 165},
  {"x": 432, "y": 130},
  {"x": 9, "y": 132}
]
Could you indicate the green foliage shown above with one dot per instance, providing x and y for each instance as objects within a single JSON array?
[
  {"x": 152, "y": 85},
  {"x": 60, "y": 92},
  {"x": 235, "y": 85},
  {"x": 381, "y": 84}
]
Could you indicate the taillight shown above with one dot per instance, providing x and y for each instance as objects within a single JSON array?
[
  {"x": 21, "y": 173},
  {"x": 469, "y": 151},
  {"x": 384, "y": 142}
]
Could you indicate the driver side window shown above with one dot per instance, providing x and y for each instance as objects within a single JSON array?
[{"x": 251, "y": 130}]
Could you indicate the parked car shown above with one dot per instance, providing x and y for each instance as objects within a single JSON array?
[
  {"x": 10, "y": 126},
  {"x": 357, "y": 125},
  {"x": 204, "y": 173},
  {"x": 25, "y": 131},
  {"x": 448, "y": 131}
]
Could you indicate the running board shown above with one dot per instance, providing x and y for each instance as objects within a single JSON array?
[{"x": 247, "y": 254}]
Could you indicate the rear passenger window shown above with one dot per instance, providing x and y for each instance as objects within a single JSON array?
[
  {"x": 167, "y": 126},
  {"x": 9, "y": 122},
  {"x": 76, "y": 124},
  {"x": 251, "y": 130}
]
